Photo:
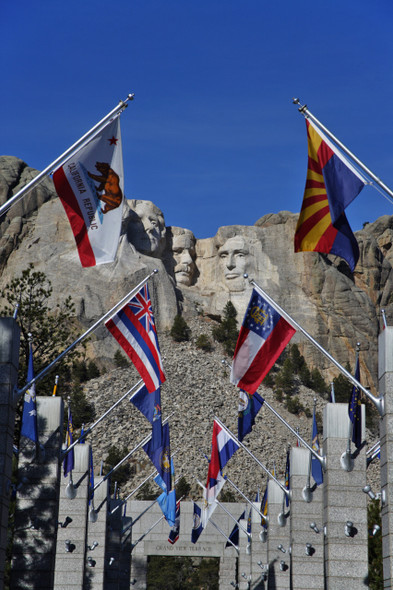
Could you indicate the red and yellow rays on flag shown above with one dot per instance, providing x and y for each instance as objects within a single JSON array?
[{"x": 314, "y": 230}]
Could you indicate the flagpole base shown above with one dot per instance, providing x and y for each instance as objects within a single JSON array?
[
  {"x": 263, "y": 536},
  {"x": 93, "y": 516},
  {"x": 346, "y": 461},
  {"x": 70, "y": 491},
  {"x": 307, "y": 494},
  {"x": 282, "y": 521}
]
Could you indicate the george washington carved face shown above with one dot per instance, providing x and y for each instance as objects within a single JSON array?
[{"x": 146, "y": 228}]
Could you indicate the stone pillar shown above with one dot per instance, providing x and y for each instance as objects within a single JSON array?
[
  {"x": 385, "y": 376},
  {"x": 118, "y": 559},
  {"x": 71, "y": 549},
  {"x": 307, "y": 571},
  {"x": 278, "y": 560},
  {"x": 244, "y": 574},
  {"x": 36, "y": 514},
  {"x": 96, "y": 533},
  {"x": 346, "y": 557},
  {"x": 9, "y": 363}
]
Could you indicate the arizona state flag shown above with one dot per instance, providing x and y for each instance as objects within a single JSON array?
[
  {"x": 332, "y": 184},
  {"x": 90, "y": 187}
]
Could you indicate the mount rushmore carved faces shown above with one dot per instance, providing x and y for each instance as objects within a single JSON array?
[
  {"x": 146, "y": 228},
  {"x": 183, "y": 252},
  {"x": 235, "y": 259}
]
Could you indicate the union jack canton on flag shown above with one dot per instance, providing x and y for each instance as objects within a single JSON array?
[{"x": 134, "y": 328}]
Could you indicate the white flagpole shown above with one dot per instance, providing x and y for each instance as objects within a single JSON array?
[
  {"x": 65, "y": 156},
  {"x": 138, "y": 446},
  {"x": 223, "y": 507},
  {"x": 104, "y": 415},
  {"x": 306, "y": 113},
  {"x": 377, "y": 401},
  {"x": 223, "y": 534},
  {"x": 121, "y": 303},
  {"x": 269, "y": 407},
  {"x": 237, "y": 441},
  {"x": 246, "y": 499}
]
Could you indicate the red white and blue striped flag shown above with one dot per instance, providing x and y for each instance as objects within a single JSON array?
[
  {"x": 263, "y": 336},
  {"x": 223, "y": 447},
  {"x": 134, "y": 328}
]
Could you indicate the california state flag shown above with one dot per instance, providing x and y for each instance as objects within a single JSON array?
[{"x": 90, "y": 187}]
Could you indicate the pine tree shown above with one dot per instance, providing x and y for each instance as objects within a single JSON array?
[{"x": 227, "y": 331}]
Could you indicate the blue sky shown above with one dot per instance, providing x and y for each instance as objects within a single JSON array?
[{"x": 212, "y": 136}]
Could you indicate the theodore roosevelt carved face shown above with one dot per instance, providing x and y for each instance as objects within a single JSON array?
[
  {"x": 183, "y": 251},
  {"x": 235, "y": 260}
]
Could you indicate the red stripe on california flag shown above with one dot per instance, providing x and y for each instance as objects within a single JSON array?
[
  {"x": 75, "y": 218},
  {"x": 141, "y": 330},
  {"x": 267, "y": 356},
  {"x": 129, "y": 350}
]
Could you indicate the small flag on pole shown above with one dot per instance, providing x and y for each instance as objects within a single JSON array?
[
  {"x": 91, "y": 476},
  {"x": 197, "y": 526},
  {"x": 90, "y": 187},
  {"x": 249, "y": 406},
  {"x": 234, "y": 536},
  {"x": 263, "y": 336},
  {"x": 29, "y": 415},
  {"x": 355, "y": 410},
  {"x": 175, "y": 530},
  {"x": 332, "y": 184},
  {"x": 68, "y": 463},
  {"x": 287, "y": 478},
  {"x": 316, "y": 467},
  {"x": 134, "y": 328},
  {"x": 150, "y": 406}
]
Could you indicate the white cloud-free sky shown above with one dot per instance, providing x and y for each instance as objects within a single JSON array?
[{"x": 212, "y": 136}]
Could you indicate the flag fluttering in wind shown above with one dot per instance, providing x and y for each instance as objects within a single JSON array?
[
  {"x": 91, "y": 476},
  {"x": 134, "y": 328},
  {"x": 175, "y": 530},
  {"x": 234, "y": 536},
  {"x": 90, "y": 187},
  {"x": 223, "y": 447},
  {"x": 264, "y": 507},
  {"x": 68, "y": 463},
  {"x": 287, "y": 478},
  {"x": 167, "y": 500},
  {"x": 332, "y": 184},
  {"x": 355, "y": 410},
  {"x": 150, "y": 406},
  {"x": 161, "y": 457},
  {"x": 263, "y": 336},
  {"x": 29, "y": 416},
  {"x": 197, "y": 526},
  {"x": 316, "y": 467},
  {"x": 249, "y": 406}
]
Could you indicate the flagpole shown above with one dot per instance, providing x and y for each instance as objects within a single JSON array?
[
  {"x": 122, "y": 302},
  {"x": 306, "y": 113},
  {"x": 307, "y": 490},
  {"x": 223, "y": 534},
  {"x": 65, "y": 156},
  {"x": 346, "y": 459},
  {"x": 138, "y": 446},
  {"x": 378, "y": 402},
  {"x": 269, "y": 407},
  {"x": 86, "y": 432},
  {"x": 246, "y": 499},
  {"x": 237, "y": 441},
  {"x": 222, "y": 506}
]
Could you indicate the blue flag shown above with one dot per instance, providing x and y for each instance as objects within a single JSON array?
[
  {"x": 150, "y": 406},
  {"x": 175, "y": 530},
  {"x": 161, "y": 457},
  {"x": 234, "y": 536},
  {"x": 68, "y": 463},
  {"x": 167, "y": 503},
  {"x": 29, "y": 416},
  {"x": 197, "y": 527},
  {"x": 287, "y": 478},
  {"x": 91, "y": 476},
  {"x": 316, "y": 467},
  {"x": 355, "y": 410},
  {"x": 249, "y": 406},
  {"x": 249, "y": 525},
  {"x": 263, "y": 508}
]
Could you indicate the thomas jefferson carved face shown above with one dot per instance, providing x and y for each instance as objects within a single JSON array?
[
  {"x": 183, "y": 249},
  {"x": 234, "y": 258},
  {"x": 146, "y": 228}
]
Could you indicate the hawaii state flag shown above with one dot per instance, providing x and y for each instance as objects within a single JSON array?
[
  {"x": 223, "y": 447},
  {"x": 90, "y": 187},
  {"x": 263, "y": 336},
  {"x": 134, "y": 328},
  {"x": 332, "y": 184}
]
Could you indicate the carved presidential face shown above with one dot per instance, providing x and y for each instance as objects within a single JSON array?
[
  {"x": 183, "y": 249},
  {"x": 234, "y": 259},
  {"x": 146, "y": 228}
]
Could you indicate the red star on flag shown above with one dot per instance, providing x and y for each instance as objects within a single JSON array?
[{"x": 113, "y": 140}]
